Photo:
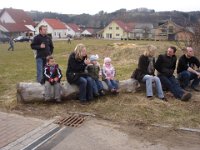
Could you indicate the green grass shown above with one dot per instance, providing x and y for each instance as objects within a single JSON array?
[{"x": 19, "y": 65}]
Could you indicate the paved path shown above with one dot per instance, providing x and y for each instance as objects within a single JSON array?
[{"x": 16, "y": 132}]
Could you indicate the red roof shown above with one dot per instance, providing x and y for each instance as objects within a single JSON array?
[
  {"x": 21, "y": 19},
  {"x": 55, "y": 23},
  {"x": 74, "y": 27},
  {"x": 125, "y": 26},
  {"x": 19, "y": 16}
]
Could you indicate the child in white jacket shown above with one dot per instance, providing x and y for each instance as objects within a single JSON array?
[{"x": 108, "y": 74}]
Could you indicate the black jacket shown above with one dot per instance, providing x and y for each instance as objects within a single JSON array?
[
  {"x": 42, "y": 52},
  {"x": 142, "y": 69},
  {"x": 165, "y": 65},
  {"x": 185, "y": 62},
  {"x": 75, "y": 68}
]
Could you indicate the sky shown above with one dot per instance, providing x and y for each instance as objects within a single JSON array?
[{"x": 94, "y": 6}]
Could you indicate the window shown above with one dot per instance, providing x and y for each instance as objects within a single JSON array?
[
  {"x": 117, "y": 28},
  {"x": 117, "y": 34},
  {"x": 110, "y": 28},
  {"x": 171, "y": 29}
]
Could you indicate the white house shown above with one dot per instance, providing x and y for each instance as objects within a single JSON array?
[
  {"x": 55, "y": 28},
  {"x": 14, "y": 22},
  {"x": 73, "y": 30}
]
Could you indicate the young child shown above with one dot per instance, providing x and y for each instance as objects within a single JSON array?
[
  {"x": 94, "y": 70},
  {"x": 108, "y": 74},
  {"x": 52, "y": 75}
]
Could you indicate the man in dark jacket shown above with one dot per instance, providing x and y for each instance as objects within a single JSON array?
[
  {"x": 186, "y": 70},
  {"x": 43, "y": 45},
  {"x": 165, "y": 65}
]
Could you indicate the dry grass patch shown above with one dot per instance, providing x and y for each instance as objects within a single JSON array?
[{"x": 130, "y": 108}]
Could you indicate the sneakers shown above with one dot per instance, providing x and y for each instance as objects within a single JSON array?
[
  {"x": 150, "y": 97},
  {"x": 186, "y": 96},
  {"x": 164, "y": 99},
  {"x": 58, "y": 100},
  {"x": 101, "y": 93},
  {"x": 84, "y": 102},
  {"x": 195, "y": 89}
]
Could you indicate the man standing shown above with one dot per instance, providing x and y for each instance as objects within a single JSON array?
[
  {"x": 43, "y": 45},
  {"x": 165, "y": 65},
  {"x": 186, "y": 70}
]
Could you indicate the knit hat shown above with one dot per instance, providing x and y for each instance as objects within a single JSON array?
[
  {"x": 107, "y": 60},
  {"x": 94, "y": 57}
]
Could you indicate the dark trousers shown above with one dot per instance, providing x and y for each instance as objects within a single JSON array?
[
  {"x": 97, "y": 86},
  {"x": 171, "y": 84},
  {"x": 85, "y": 88},
  {"x": 185, "y": 77}
]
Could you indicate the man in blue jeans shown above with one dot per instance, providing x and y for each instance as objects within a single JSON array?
[
  {"x": 165, "y": 65},
  {"x": 43, "y": 45},
  {"x": 186, "y": 70}
]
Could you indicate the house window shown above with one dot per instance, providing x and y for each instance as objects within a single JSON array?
[
  {"x": 110, "y": 28},
  {"x": 171, "y": 29},
  {"x": 55, "y": 33},
  {"x": 117, "y": 28},
  {"x": 117, "y": 34}
]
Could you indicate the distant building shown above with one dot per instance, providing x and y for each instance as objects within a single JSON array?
[
  {"x": 14, "y": 22},
  {"x": 73, "y": 30},
  {"x": 118, "y": 30},
  {"x": 167, "y": 31},
  {"x": 91, "y": 32},
  {"x": 55, "y": 28}
]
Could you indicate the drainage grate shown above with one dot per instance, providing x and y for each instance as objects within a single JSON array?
[{"x": 71, "y": 121}]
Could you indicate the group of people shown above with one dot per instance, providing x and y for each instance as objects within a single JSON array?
[
  {"x": 180, "y": 87},
  {"x": 82, "y": 71},
  {"x": 86, "y": 72}
]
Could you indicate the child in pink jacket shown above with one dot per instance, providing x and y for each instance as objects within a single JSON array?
[{"x": 108, "y": 74}]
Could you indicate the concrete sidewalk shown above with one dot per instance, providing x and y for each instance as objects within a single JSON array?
[{"x": 18, "y": 132}]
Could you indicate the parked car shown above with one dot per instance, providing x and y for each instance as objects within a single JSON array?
[
  {"x": 22, "y": 39},
  {"x": 4, "y": 39}
]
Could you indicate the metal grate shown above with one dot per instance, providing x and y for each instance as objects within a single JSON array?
[{"x": 71, "y": 121}]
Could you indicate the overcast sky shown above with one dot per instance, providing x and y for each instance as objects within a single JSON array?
[{"x": 94, "y": 6}]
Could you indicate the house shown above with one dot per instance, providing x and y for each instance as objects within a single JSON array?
[
  {"x": 186, "y": 34},
  {"x": 118, "y": 30},
  {"x": 73, "y": 30},
  {"x": 142, "y": 31},
  {"x": 15, "y": 22},
  {"x": 167, "y": 31},
  {"x": 90, "y": 32},
  {"x": 55, "y": 28}
]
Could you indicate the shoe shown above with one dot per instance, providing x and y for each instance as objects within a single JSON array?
[
  {"x": 101, "y": 93},
  {"x": 150, "y": 97},
  {"x": 58, "y": 100},
  {"x": 195, "y": 89},
  {"x": 186, "y": 96},
  {"x": 164, "y": 99},
  {"x": 96, "y": 94},
  {"x": 85, "y": 102},
  {"x": 187, "y": 89}
]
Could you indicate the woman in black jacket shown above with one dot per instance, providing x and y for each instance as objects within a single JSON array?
[
  {"x": 75, "y": 73},
  {"x": 145, "y": 73}
]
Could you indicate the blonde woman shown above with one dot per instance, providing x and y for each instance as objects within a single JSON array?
[
  {"x": 145, "y": 73},
  {"x": 75, "y": 73}
]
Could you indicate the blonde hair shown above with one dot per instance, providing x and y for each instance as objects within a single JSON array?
[
  {"x": 150, "y": 51},
  {"x": 78, "y": 50}
]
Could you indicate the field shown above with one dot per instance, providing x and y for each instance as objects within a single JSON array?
[{"x": 19, "y": 65}]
